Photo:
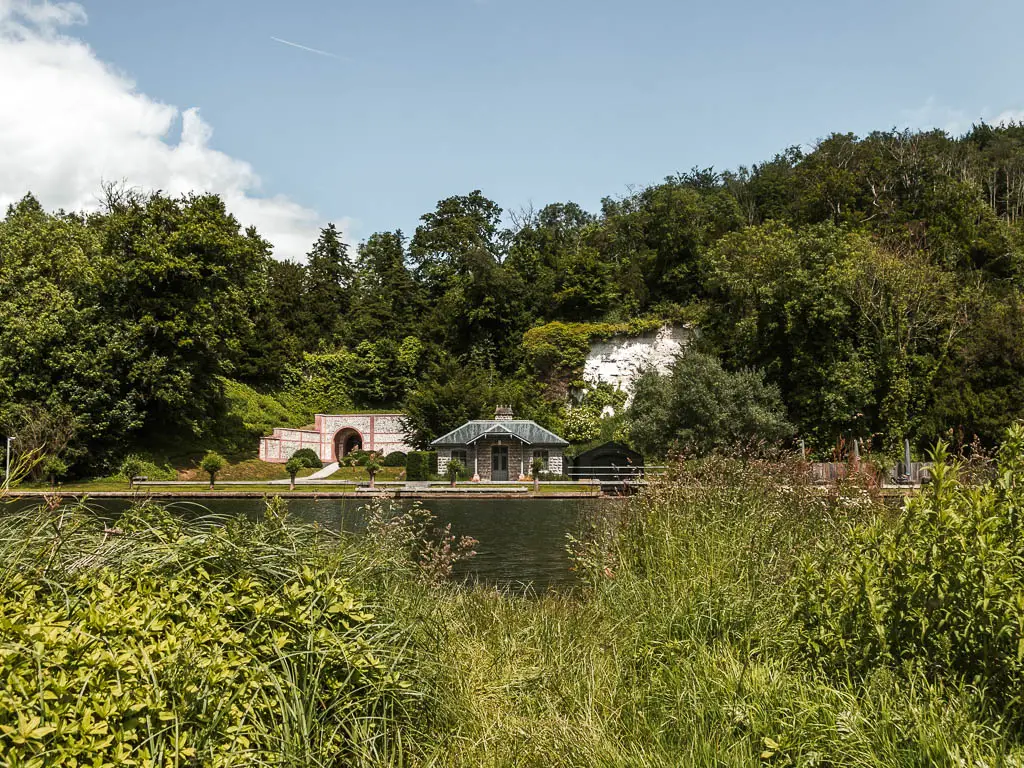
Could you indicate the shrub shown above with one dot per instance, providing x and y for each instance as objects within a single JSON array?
[
  {"x": 309, "y": 458},
  {"x": 395, "y": 459},
  {"x": 138, "y": 466},
  {"x": 700, "y": 408},
  {"x": 372, "y": 466},
  {"x": 249, "y": 414},
  {"x": 54, "y": 468},
  {"x": 453, "y": 470},
  {"x": 293, "y": 466},
  {"x": 185, "y": 658},
  {"x": 420, "y": 465},
  {"x": 581, "y": 424},
  {"x": 131, "y": 468},
  {"x": 359, "y": 457},
  {"x": 941, "y": 591},
  {"x": 211, "y": 464}
]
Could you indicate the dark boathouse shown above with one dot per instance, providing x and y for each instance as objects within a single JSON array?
[{"x": 611, "y": 461}]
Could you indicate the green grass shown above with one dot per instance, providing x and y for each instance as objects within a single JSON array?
[
  {"x": 678, "y": 647},
  {"x": 679, "y": 650}
]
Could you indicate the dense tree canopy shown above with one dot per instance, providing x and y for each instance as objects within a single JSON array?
[{"x": 875, "y": 283}]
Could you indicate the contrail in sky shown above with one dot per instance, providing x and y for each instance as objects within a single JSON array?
[{"x": 304, "y": 47}]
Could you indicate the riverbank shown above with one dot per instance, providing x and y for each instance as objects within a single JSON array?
[{"x": 308, "y": 490}]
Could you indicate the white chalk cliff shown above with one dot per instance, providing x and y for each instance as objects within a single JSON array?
[{"x": 620, "y": 359}]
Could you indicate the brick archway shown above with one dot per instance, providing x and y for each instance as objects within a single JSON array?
[{"x": 345, "y": 441}]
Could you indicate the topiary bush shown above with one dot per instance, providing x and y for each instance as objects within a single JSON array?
[
  {"x": 309, "y": 458},
  {"x": 395, "y": 459},
  {"x": 940, "y": 590}
]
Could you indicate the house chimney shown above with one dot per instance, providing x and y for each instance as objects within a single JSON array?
[{"x": 504, "y": 413}]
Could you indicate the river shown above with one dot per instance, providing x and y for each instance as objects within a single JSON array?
[{"x": 522, "y": 541}]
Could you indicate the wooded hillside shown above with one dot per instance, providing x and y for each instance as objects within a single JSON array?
[{"x": 875, "y": 281}]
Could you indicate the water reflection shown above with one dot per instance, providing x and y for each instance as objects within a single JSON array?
[{"x": 522, "y": 541}]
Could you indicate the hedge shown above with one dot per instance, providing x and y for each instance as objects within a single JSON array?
[
  {"x": 420, "y": 465},
  {"x": 308, "y": 457},
  {"x": 395, "y": 459}
]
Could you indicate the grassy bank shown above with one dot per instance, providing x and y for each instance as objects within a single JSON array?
[{"x": 729, "y": 616}]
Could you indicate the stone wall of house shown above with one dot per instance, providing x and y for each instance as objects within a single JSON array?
[
  {"x": 382, "y": 433},
  {"x": 620, "y": 359}
]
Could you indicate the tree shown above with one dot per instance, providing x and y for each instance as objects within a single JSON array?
[
  {"x": 372, "y": 466},
  {"x": 912, "y": 318},
  {"x": 391, "y": 301},
  {"x": 453, "y": 470},
  {"x": 700, "y": 408},
  {"x": 780, "y": 300},
  {"x": 41, "y": 432},
  {"x": 131, "y": 468},
  {"x": 293, "y": 466},
  {"x": 54, "y": 468},
  {"x": 177, "y": 289},
  {"x": 450, "y": 395},
  {"x": 329, "y": 279},
  {"x": 212, "y": 463},
  {"x": 536, "y": 468}
]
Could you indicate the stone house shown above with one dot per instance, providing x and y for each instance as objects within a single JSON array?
[
  {"x": 335, "y": 436},
  {"x": 500, "y": 449}
]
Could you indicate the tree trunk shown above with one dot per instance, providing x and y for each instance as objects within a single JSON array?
[
  {"x": 536, "y": 483},
  {"x": 291, "y": 485}
]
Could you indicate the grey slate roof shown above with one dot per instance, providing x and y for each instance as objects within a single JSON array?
[{"x": 529, "y": 432}]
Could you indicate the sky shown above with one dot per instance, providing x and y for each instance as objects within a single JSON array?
[{"x": 367, "y": 113}]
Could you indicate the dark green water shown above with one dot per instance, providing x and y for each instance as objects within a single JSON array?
[{"x": 522, "y": 541}]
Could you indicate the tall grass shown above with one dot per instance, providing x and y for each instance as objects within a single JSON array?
[{"x": 680, "y": 646}]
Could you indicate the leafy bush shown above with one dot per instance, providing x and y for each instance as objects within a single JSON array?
[
  {"x": 559, "y": 350},
  {"x": 940, "y": 590},
  {"x": 453, "y": 470},
  {"x": 54, "y": 468},
  {"x": 395, "y": 459},
  {"x": 581, "y": 425},
  {"x": 420, "y": 465},
  {"x": 357, "y": 458},
  {"x": 135, "y": 465},
  {"x": 251, "y": 414},
  {"x": 309, "y": 458},
  {"x": 211, "y": 464},
  {"x": 163, "y": 645},
  {"x": 700, "y": 408},
  {"x": 293, "y": 466}
]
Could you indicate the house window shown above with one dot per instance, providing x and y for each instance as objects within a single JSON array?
[
  {"x": 543, "y": 456},
  {"x": 460, "y": 456}
]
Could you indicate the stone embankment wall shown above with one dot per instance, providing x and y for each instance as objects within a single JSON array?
[{"x": 380, "y": 432}]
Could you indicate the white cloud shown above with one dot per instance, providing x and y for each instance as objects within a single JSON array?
[
  {"x": 955, "y": 121},
  {"x": 70, "y": 122}
]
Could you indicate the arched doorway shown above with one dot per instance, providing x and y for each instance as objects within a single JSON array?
[{"x": 346, "y": 441}]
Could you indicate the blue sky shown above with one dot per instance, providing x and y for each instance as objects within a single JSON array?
[{"x": 535, "y": 102}]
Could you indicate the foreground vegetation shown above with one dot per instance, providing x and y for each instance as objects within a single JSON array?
[{"x": 726, "y": 617}]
